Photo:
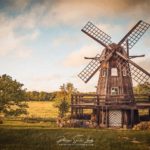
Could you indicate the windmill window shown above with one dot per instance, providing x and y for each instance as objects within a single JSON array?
[
  {"x": 114, "y": 72},
  {"x": 114, "y": 91}
]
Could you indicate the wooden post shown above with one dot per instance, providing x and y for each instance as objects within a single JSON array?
[
  {"x": 123, "y": 113},
  {"x": 149, "y": 109},
  {"x": 102, "y": 116},
  {"x": 98, "y": 115},
  {"x": 132, "y": 117},
  {"x": 98, "y": 110},
  {"x": 76, "y": 110},
  {"x": 71, "y": 106},
  {"x": 97, "y": 100},
  {"x": 106, "y": 116}
]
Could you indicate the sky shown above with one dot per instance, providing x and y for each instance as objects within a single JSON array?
[{"x": 42, "y": 46}]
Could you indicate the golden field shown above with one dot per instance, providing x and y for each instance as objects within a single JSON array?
[{"x": 38, "y": 109}]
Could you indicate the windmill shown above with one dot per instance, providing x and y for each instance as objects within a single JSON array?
[
  {"x": 114, "y": 63},
  {"x": 116, "y": 72}
]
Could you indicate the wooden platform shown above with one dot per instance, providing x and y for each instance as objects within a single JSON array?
[{"x": 118, "y": 111}]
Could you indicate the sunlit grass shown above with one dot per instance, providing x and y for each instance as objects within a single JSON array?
[
  {"x": 19, "y": 123},
  {"x": 40, "y": 109}
]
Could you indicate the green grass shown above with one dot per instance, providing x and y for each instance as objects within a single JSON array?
[
  {"x": 43, "y": 135},
  {"x": 18, "y": 123},
  {"x": 45, "y": 139}
]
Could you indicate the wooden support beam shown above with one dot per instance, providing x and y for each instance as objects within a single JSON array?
[
  {"x": 149, "y": 108},
  {"x": 132, "y": 117},
  {"x": 103, "y": 116},
  {"x": 71, "y": 106},
  {"x": 122, "y": 118},
  {"x": 106, "y": 113},
  {"x": 98, "y": 115}
]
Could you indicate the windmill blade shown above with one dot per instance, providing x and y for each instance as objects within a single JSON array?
[
  {"x": 87, "y": 73},
  {"x": 98, "y": 35},
  {"x": 134, "y": 34},
  {"x": 138, "y": 74}
]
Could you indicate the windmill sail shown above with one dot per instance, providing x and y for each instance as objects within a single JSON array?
[
  {"x": 134, "y": 34},
  {"x": 95, "y": 33},
  {"x": 138, "y": 74},
  {"x": 87, "y": 73}
]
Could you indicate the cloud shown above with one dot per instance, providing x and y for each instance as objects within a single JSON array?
[
  {"x": 143, "y": 62},
  {"x": 11, "y": 41},
  {"x": 76, "y": 12},
  {"x": 76, "y": 58},
  {"x": 59, "y": 12},
  {"x": 44, "y": 82}
]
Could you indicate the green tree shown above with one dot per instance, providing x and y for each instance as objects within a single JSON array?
[
  {"x": 68, "y": 89},
  {"x": 142, "y": 88},
  {"x": 12, "y": 97},
  {"x": 63, "y": 108},
  {"x": 63, "y": 97}
]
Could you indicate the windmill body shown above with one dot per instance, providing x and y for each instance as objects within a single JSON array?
[
  {"x": 114, "y": 102},
  {"x": 114, "y": 79}
]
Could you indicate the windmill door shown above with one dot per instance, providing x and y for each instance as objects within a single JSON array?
[{"x": 115, "y": 118}]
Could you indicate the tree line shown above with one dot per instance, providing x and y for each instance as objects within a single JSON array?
[
  {"x": 40, "y": 96},
  {"x": 65, "y": 91}
]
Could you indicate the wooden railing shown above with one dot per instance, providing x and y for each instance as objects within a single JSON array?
[{"x": 94, "y": 99}]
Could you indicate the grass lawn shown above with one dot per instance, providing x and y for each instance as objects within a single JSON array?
[
  {"x": 18, "y": 135},
  {"x": 22, "y": 138}
]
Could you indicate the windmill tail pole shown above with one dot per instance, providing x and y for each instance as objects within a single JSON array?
[
  {"x": 95, "y": 58},
  {"x": 136, "y": 56}
]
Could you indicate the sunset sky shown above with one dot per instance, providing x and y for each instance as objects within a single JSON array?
[{"x": 42, "y": 46}]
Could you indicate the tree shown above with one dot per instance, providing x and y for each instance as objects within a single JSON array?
[
  {"x": 63, "y": 108},
  {"x": 142, "y": 88},
  {"x": 63, "y": 97},
  {"x": 40, "y": 96},
  {"x": 68, "y": 89},
  {"x": 12, "y": 97}
]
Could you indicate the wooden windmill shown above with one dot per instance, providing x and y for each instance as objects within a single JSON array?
[
  {"x": 117, "y": 70},
  {"x": 115, "y": 65}
]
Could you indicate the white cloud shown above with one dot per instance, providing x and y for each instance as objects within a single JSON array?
[
  {"x": 49, "y": 82},
  {"x": 76, "y": 58},
  {"x": 144, "y": 62},
  {"x": 12, "y": 43}
]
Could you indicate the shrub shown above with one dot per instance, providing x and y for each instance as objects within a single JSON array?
[{"x": 142, "y": 126}]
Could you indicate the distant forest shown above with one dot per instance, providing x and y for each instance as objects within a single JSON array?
[{"x": 68, "y": 89}]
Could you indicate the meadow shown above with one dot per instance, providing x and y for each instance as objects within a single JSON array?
[
  {"x": 39, "y": 109},
  {"x": 17, "y": 134},
  {"x": 46, "y": 139}
]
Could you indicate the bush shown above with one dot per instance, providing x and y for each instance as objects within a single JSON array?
[{"x": 142, "y": 126}]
